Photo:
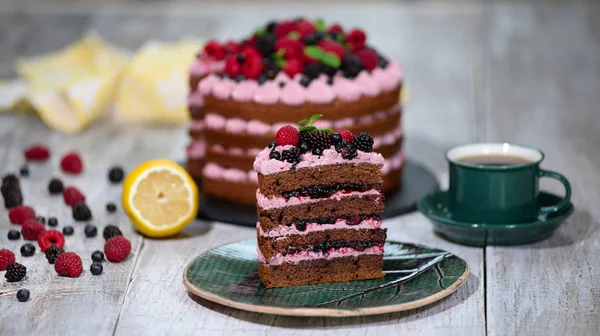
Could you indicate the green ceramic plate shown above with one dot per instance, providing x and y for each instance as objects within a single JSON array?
[
  {"x": 415, "y": 276},
  {"x": 435, "y": 207}
]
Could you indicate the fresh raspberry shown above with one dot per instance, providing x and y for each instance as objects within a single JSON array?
[
  {"x": 6, "y": 257},
  {"x": 232, "y": 47},
  {"x": 249, "y": 43},
  {"x": 333, "y": 47},
  {"x": 287, "y": 135},
  {"x": 293, "y": 48},
  {"x": 252, "y": 68},
  {"x": 32, "y": 229},
  {"x": 368, "y": 57},
  {"x": 73, "y": 196},
  {"x": 117, "y": 249},
  {"x": 335, "y": 28},
  {"x": 37, "y": 153},
  {"x": 284, "y": 28},
  {"x": 19, "y": 214},
  {"x": 232, "y": 67},
  {"x": 215, "y": 50},
  {"x": 305, "y": 28},
  {"x": 49, "y": 238},
  {"x": 346, "y": 135},
  {"x": 71, "y": 163},
  {"x": 68, "y": 264},
  {"x": 292, "y": 67},
  {"x": 251, "y": 53},
  {"x": 357, "y": 39}
]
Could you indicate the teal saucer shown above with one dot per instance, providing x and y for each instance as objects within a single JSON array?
[{"x": 435, "y": 207}]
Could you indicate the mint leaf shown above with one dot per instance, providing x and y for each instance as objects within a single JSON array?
[
  {"x": 340, "y": 38},
  {"x": 328, "y": 130},
  {"x": 320, "y": 25},
  {"x": 294, "y": 35},
  {"x": 308, "y": 128},
  {"x": 314, "y": 117},
  {"x": 303, "y": 122},
  {"x": 314, "y": 52},
  {"x": 332, "y": 60},
  {"x": 279, "y": 53},
  {"x": 280, "y": 62},
  {"x": 260, "y": 31}
]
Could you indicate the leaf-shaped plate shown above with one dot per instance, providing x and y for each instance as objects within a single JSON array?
[{"x": 415, "y": 276}]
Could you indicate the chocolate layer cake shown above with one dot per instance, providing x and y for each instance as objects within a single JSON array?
[
  {"x": 242, "y": 92},
  {"x": 319, "y": 201}
]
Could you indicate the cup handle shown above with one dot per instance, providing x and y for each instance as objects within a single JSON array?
[{"x": 565, "y": 202}]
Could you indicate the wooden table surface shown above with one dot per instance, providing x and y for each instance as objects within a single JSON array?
[{"x": 526, "y": 73}]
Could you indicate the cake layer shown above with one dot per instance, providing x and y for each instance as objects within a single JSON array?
[
  {"x": 352, "y": 205},
  {"x": 360, "y": 173},
  {"x": 266, "y": 203},
  {"x": 372, "y": 221},
  {"x": 321, "y": 241}
]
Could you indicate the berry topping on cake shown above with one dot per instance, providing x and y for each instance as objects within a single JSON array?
[
  {"x": 368, "y": 58},
  {"x": 68, "y": 264},
  {"x": 346, "y": 135},
  {"x": 356, "y": 38},
  {"x": 287, "y": 135},
  {"x": 215, "y": 50},
  {"x": 291, "y": 155},
  {"x": 335, "y": 28},
  {"x": 319, "y": 139},
  {"x": 37, "y": 153},
  {"x": 232, "y": 67},
  {"x": 292, "y": 67},
  {"x": 363, "y": 142}
]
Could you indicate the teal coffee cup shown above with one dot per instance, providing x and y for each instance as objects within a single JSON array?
[{"x": 498, "y": 183}]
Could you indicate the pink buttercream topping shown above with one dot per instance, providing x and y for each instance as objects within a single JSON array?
[
  {"x": 214, "y": 121},
  {"x": 197, "y": 149},
  {"x": 384, "y": 79},
  {"x": 319, "y": 92},
  {"x": 267, "y": 94},
  {"x": 244, "y": 91},
  {"x": 293, "y": 94},
  {"x": 265, "y": 166},
  {"x": 346, "y": 89},
  {"x": 235, "y": 125},
  {"x": 368, "y": 86},
  {"x": 205, "y": 86},
  {"x": 278, "y": 202},
  {"x": 309, "y": 254},
  {"x": 195, "y": 99},
  {"x": 280, "y": 231},
  {"x": 223, "y": 88}
]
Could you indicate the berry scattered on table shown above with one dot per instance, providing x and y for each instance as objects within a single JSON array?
[
  {"x": 81, "y": 212},
  {"x": 51, "y": 238},
  {"x": 73, "y": 196},
  {"x": 19, "y": 214},
  {"x": 111, "y": 207},
  {"x": 27, "y": 250},
  {"x": 15, "y": 272},
  {"x": 117, "y": 249},
  {"x": 52, "y": 221},
  {"x": 98, "y": 256},
  {"x": 55, "y": 186},
  {"x": 6, "y": 257},
  {"x": 287, "y": 135},
  {"x": 24, "y": 171},
  {"x": 111, "y": 231},
  {"x": 53, "y": 252},
  {"x": 71, "y": 163},
  {"x": 90, "y": 231},
  {"x": 363, "y": 142},
  {"x": 12, "y": 198},
  {"x": 14, "y": 235},
  {"x": 68, "y": 230},
  {"x": 96, "y": 268},
  {"x": 32, "y": 229},
  {"x": 116, "y": 174},
  {"x": 23, "y": 295},
  {"x": 68, "y": 264},
  {"x": 37, "y": 153}
]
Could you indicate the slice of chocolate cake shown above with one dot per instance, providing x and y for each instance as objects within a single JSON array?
[{"x": 319, "y": 206}]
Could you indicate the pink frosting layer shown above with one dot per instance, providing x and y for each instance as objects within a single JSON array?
[
  {"x": 195, "y": 99},
  {"x": 234, "y": 150},
  {"x": 196, "y": 150},
  {"x": 197, "y": 125},
  {"x": 257, "y": 127},
  {"x": 393, "y": 162},
  {"x": 278, "y": 202},
  {"x": 215, "y": 172},
  {"x": 309, "y": 254},
  {"x": 265, "y": 166},
  {"x": 318, "y": 92},
  {"x": 282, "y": 231},
  {"x": 203, "y": 66}
]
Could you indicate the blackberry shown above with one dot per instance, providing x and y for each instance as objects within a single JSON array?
[
  {"x": 304, "y": 147},
  {"x": 52, "y": 221},
  {"x": 336, "y": 138},
  {"x": 313, "y": 38},
  {"x": 24, "y": 171},
  {"x": 81, "y": 212},
  {"x": 116, "y": 174},
  {"x": 319, "y": 139},
  {"x": 12, "y": 198},
  {"x": 312, "y": 70},
  {"x": 266, "y": 44},
  {"x": 23, "y": 295},
  {"x": 96, "y": 268},
  {"x": 90, "y": 231},
  {"x": 68, "y": 230},
  {"x": 291, "y": 155},
  {"x": 328, "y": 70},
  {"x": 363, "y": 142},
  {"x": 304, "y": 137},
  {"x": 351, "y": 65},
  {"x": 98, "y": 256},
  {"x": 9, "y": 181},
  {"x": 55, "y": 186},
  {"x": 53, "y": 252},
  {"x": 27, "y": 250},
  {"x": 305, "y": 80},
  {"x": 14, "y": 235},
  {"x": 274, "y": 155},
  {"x": 111, "y": 231},
  {"x": 348, "y": 150},
  {"x": 15, "y": 272},
  {"x": 41, "y": 219},
  {"x": 270, "y": 28},
  {"x": 382, "y": 63},
  {"x": 111, "y": 207}
]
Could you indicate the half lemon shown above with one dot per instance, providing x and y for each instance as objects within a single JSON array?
[{"x": 160, "y": 198}]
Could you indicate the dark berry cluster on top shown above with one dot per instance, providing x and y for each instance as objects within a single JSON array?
[
  {"x": 313, "y": 140},
  {"x": 300, "y": 46}
]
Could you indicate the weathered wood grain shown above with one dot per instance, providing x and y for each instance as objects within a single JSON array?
[{"x": 543, "y": 90}]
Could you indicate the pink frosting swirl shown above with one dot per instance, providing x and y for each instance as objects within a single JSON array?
[
  {"x": 385, "y": 79},
  {"x": 319, "y": 93},
  {"x": 223, "y": 88},
  {"x": 235, "y": 125},
  {"x": 206, "y": 84},
  {"x": 267, "y": 94},
  {"x": 293, "y": 94},
  {"x": 367, "y": 84},
  {"x": 345, "y": 89},
  {"x": 214, "y": 121},
  {"x": 244, "y": 91}
]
